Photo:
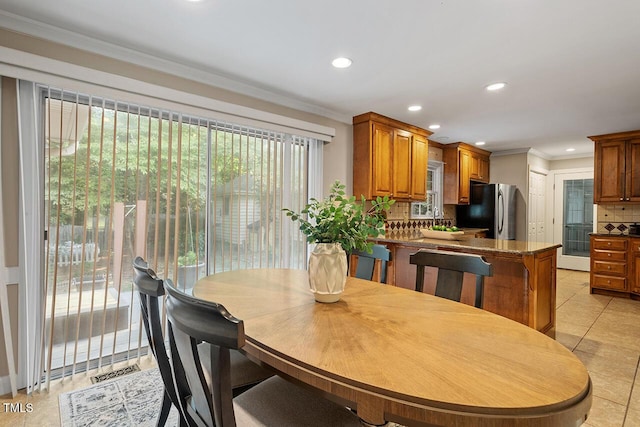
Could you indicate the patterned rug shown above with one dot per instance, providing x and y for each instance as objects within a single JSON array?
[{"x": 130, "y": 400}]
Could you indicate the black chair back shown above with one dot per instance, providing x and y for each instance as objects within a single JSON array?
[
  {"x": 192, "y": 321},
  {"x": 151, "y": 291},
  {"x": 366, "y": 264},
  {"x": 451, "y": 268}
]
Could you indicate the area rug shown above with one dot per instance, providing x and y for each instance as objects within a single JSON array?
[{"x": 130, "y": 400}]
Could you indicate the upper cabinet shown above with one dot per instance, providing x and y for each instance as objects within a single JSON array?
[
  {"x": 479, "y": 168},
  {"x": 463, "y": 163},
  {"x": 389, "y": 158},
  {"x": 617, "y": 167}
]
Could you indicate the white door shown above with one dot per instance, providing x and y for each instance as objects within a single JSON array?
[
  {"x": 574, "y": 213},
  {"x": 537, "y": 196}
]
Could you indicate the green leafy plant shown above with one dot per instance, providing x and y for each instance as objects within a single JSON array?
[
  {"x": 189, "y": 258},
  {"x": 341, "y": 219}
]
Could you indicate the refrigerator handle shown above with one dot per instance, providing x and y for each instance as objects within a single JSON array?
[{"x": 500, "y": 211}]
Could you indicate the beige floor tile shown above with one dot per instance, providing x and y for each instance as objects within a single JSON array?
[
  {"x": 614, "y": 388},
  {"x": 570, "y": 334},
  {"x": 623, "y": 304},
  {"x": 46, "y": 412},
  {"x": 607, "y": 350},
  {"x": 590, "y": 300},
  {"x": 620, "y": 331},
  {"x": 568, "y": 314},
  {"x": 568, "y": 340},
  {"x": 614, "y": 337},
  {"x": 634, "y": 401},
  {"x": 621, "y": 367},
  {"x": 605, "y": 413},
  {"x": 562, "y": 296},
  {"x": 632, "y": 419}
]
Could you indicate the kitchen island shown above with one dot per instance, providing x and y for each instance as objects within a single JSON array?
[{"x": 523, "y": 285}]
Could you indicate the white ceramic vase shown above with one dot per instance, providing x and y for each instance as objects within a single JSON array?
[{"x": 327, "y": 271}]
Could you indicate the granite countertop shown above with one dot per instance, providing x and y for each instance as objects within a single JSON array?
[
  {"x": 613, "y": 235},
  {"x": 414, "y": 238}
]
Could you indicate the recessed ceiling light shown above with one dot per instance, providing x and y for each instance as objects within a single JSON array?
[
  {"x": 415, "y": 108},
  {"x": 341, "y": 62},
  {"x": 434, "y": 127},
  {"x": 570, "y": 149},
  {"x": 496, "y": 86},
  {"x": 480, "y": 143}
]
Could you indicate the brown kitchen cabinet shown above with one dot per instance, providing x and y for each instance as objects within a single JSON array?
[
  {"x": 479, "y": 167},
  {"x": 609, "y": 263},
  {"x": 615, "y": 266},
  {"x": 617, "y": 167},
  {"x": 389, "y": 158},
  {"x": 463, "y": 163},
  {"x": 634, "y": 243}
]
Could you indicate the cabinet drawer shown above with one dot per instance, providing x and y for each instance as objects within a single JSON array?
[
  {"x": 609, "y": 282},
  {"x": 606, "y": 267},
  {"x": 609, "y": 255},
  {"x": 611, "y": 244}
]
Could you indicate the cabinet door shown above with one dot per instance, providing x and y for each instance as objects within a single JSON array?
[
  {"x": 464, "y": 189},
  {"x": 479, "y": 168},
  {"x": 419, "y": 164},
  {"x": 609, "y": 171},
  {"x": 401, "y": 164},
  {"x": 474, "y": 167},
  {"x": 382, "y": 168},
  {"x": 632, "y": 182},
  {"x": 635, "y": 266},
  {"x": 483, "y": 163}
]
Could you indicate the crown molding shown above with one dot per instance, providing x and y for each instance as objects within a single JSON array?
[{"x": 193, "y": 72}]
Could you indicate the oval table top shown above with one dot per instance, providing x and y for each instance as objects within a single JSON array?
[{"x": 399, "y": 355}]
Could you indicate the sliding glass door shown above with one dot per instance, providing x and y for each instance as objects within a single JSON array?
[{"x": 191, "y": 195}]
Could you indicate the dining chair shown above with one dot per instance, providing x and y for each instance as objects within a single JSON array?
[
  {"x": 370, "y": 266},
  {"x": 451, "y": 268},
  {"x": 244, "y": 373},
  {"x": 151, "y": 290},
  {"x": 273, "y": 402}
]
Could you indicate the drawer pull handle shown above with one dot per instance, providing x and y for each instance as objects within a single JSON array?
[
  {"x": 608, "y": 267},
  {"x": 608, "y": 243},
  {"x": 608, "y": 254},
  {"x": 608, "y": 282}
]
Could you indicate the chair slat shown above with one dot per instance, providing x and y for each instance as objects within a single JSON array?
[{"x": 451, "y": 268}]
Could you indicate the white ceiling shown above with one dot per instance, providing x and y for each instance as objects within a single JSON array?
[{"x": 572, "y": 66}]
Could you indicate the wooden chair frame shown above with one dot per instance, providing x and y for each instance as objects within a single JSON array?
[
  {"x": 451, "y": 268},
  {"x": 151, "y": 290},
  {"x": 370, "y": 266}
]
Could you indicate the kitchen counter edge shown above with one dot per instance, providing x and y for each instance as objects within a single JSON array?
[{"x": 471, "y": 243}]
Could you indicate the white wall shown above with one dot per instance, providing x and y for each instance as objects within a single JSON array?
[{"x": 513, "y": 169}]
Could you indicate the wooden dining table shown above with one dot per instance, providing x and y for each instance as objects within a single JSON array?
[{"x": 393, "y": 354}]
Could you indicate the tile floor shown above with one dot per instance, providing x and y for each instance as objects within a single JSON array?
[{"x": 603, "y": 332}]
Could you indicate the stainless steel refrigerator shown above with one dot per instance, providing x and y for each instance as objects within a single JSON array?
[{"x": 492, "y": 206}]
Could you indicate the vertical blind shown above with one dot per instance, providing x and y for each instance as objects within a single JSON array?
[{"x": 191, "y": 195}]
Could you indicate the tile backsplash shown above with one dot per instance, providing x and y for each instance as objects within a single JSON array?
[
  {"x": 615, "y": 219},
  {"x": 399, "y": 217}
]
